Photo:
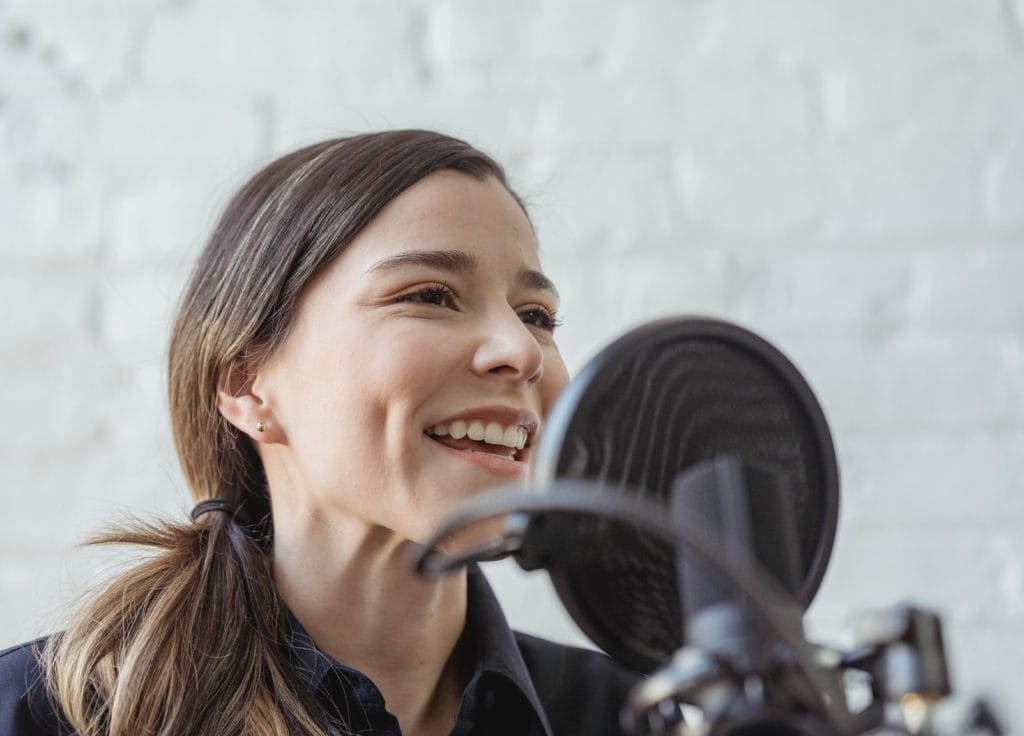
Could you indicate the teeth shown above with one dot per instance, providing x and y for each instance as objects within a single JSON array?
[{"x": 492, "y": 433}]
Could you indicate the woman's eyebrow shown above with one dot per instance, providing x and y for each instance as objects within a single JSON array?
[
  {"x": 456, "y": 261},
  {"x": 459, "y": 261},
  {"x": 532, "y": 279}
]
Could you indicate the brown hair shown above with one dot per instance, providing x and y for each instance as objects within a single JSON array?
[{"x": 189, "y": 641}]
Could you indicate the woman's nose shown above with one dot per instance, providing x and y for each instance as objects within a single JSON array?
[{"x": 508, "y": 348}]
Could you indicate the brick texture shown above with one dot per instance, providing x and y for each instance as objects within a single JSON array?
[{"x": 845, "y": 177}]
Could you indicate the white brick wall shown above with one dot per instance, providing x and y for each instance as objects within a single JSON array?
[{"x": 846, "y": 177}]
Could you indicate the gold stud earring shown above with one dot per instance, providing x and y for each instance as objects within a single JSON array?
[{"x": 261, "y": 427}]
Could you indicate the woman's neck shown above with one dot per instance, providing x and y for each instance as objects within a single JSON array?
[{"x": 354, "y": 591}]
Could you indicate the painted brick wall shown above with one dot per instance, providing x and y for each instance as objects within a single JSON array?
[{"x": 846, "y": 177}]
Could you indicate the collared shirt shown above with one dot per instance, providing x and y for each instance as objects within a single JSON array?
[{"x": 519, "y": 685}]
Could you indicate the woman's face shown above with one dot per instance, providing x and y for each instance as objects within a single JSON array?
[{"x": 432, "y": 328}]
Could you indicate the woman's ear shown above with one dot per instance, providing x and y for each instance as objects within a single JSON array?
[{"x": 243, "y": 407}]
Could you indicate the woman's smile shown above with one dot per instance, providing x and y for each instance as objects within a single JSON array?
[{"x": 494, "y": 438}]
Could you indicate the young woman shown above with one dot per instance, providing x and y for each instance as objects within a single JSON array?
[{"x": 367, "y": 339}]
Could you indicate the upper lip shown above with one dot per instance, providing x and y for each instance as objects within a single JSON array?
[{"x": 505, "y": 415}]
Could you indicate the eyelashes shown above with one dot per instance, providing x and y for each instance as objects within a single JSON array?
[
  {"x": 540, "y": 317},
  {"x": 439, "y": 294}
]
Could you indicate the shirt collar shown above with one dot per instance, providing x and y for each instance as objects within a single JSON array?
[
  {"x": 494, "y": 643},
  {"x": 489, "y": 638},
  {"x": 311, "y": 664}
]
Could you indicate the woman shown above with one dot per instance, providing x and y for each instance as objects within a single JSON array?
[{"x": 366, "y": 340}]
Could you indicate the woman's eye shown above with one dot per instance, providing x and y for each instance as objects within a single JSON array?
[
  {"x": 540, "y": 317},
  {"x": 438, "y": 295}
]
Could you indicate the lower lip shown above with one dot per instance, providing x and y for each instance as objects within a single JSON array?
[{"x": 494, "y": 463}]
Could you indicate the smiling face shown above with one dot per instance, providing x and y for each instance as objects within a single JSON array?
[{"x": 421, "y": 363}]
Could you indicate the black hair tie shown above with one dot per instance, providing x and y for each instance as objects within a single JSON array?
[{"x": 213, "y": 504}]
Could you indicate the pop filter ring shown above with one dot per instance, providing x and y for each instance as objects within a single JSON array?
[{"x": 741, "y": 346}]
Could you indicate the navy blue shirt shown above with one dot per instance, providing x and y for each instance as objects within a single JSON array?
[{"x": 519, "y": 685}]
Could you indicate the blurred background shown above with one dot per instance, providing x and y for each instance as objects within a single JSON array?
[{"x": 844, "y": 177}]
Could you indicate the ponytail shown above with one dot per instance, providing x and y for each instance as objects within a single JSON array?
[{"x": 187, "y": 642}]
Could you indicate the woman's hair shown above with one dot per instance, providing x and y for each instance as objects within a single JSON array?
[{"x": 191, "y": 640}]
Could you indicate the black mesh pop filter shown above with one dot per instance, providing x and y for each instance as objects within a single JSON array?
[{"x": 654, "y": 403}]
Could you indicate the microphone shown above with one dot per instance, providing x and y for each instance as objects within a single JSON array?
[{"x": 684, "y": 498}]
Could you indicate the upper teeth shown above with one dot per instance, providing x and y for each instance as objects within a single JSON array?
[{"x": 490, "y": 432}]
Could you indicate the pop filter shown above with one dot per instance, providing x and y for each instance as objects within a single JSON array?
[{"x": 654, "y": 403}]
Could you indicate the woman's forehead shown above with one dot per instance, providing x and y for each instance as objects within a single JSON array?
[{"x": 448, "y": 212}]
